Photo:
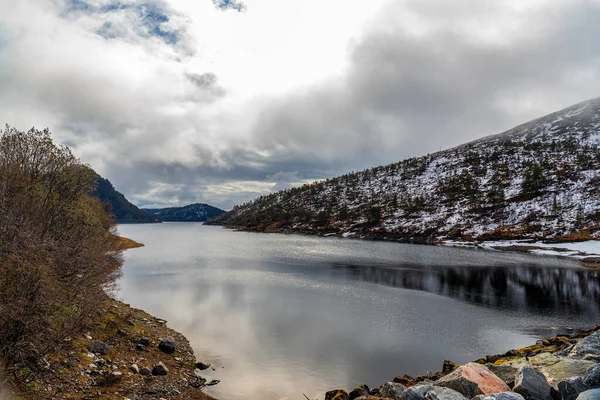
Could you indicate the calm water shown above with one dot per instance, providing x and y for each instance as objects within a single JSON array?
[{"x": 283, "y": 315}]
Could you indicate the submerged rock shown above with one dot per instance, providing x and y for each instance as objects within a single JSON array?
[
  {"x": 532, "y": 384},
  {"x": 473, "y": 379}
]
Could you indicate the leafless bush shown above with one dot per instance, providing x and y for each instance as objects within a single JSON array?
[{"x": 57, "y": 252}]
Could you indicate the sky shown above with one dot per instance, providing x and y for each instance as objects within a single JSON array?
[{"x": 221, "y": 101}]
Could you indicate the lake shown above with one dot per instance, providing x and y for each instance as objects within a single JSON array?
[{"x": 282, "y": 315}]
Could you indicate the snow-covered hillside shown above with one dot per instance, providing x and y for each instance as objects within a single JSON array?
[{"x": 538, "y": 180}]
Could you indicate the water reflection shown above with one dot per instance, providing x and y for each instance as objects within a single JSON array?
[
  {"x": 286, "y": 315},
  {"x": 527, "y": 288}
]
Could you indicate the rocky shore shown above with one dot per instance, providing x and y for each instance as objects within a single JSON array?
[
  {"x": 127, "y": 354},
  {"x": 564, "y": 367}
]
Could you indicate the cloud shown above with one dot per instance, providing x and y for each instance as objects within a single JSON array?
[
  {"x": 177, "y": 102},
  {"x": 230, "y": 5}
]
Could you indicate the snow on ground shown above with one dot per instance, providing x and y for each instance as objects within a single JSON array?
[{"x": 581, "y": 250}]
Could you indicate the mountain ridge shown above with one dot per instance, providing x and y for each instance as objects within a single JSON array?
[
  {"x": 197, "y": 212},
  {"x": 539, "y": 179}
]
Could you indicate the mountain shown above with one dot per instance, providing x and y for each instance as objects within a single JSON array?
[
  {"x": 190, "y": 213},
  {"x": 121, "y": 208},
  {"x": 538, "y": 180}
]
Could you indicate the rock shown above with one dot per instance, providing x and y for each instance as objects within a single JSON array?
[
  {"x": 502, "y": 396},
  {"x": 359, "y": 391},
  {"x": 337, "y": 395},
  {"x": 201, "y": 365},
  {"x": 416, "y": 392},
  {"x": 213, "y": 382},
  {"x": 443, "y": 393},
  {"x": 505, "y": 372},
  {"x": 532, "y": 384},
  {"x": 556, "y": 368},
  {"x": 87, "y": 336},
  {"x": 589, "y": 345},
  {"x": 140, "y": 347},
  {"x": 134, "y": 368},
  {"x": 392, "y": 390},
  {"x": 114, "y": 377},
  {"x": 570, "y": 388},
  {"x": 369, "y": 397},
  {"x": 473, "y": 379},
  {"x": 592, "y": 378},
  {"x": 160, "y": 369},
  {"x": 98, "y": 347},
  {"x": 167, "y": 346},
  {"x": 143, "y": 341},
  {"x": 448, "y": 366},
  {"x": 145, "y": 371},
  {"x": 593, "y": 394}
]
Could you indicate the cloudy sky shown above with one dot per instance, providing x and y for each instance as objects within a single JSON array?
[{"x": 218, "y": 101}]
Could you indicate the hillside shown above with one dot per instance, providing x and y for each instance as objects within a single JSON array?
[
  {"x": 538, "y": 180},
  {"x": 190, "y": 213},
  {"x": 118, "y": 205}
]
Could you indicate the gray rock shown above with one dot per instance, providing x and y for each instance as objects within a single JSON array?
[
  {"x": 570, "y": 388},
  {"x": 143, "y": 341},
  {"x": 532, "y": 384},
  {"x": 443, "y": 393},
  {"x": 145, "y": 371},
  {"x": 392, "y": 390},
  {"x": 590, "y": 345},
  {"x": 592, "y": 378},
  {"x": 134, "y": 368},
  {"x": 505, "y": 372},
  {"x": 167, "y": 346},
  {"x": 503, "y": 396},
  {"x": 416, "y": 392},
  {"x": 98, "y": 347},
  {"x": 593, "y": 394},
  {"x": 362, "y": 390},
  {"x": 160, "y": 369}
]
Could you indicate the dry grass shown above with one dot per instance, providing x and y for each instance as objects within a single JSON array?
[{"x": 123, "y": 243}]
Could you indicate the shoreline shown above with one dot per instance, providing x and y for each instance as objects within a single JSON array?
[{"x": 537, "y": 246}]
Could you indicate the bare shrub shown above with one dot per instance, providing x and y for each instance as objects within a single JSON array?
[{"x": 57, "y": 249}]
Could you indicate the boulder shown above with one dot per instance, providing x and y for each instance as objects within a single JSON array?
[
  {"x": 592, "y": 394},
  {"x": 556, "y": 368},
  {"x": 98, "y": 347},
  {"x": 201, "y": 365},
  {"x": 392, "y": 390},
  {"x": 160, "y": 369},
  {"x": 570, "y": 388},
  {"x": 532, "y": 384},
  {"x": 592, "y": 378},
  {"x": 416, "y": 392},
  {"x": 505, "y": 372},
  {"x": 337, "y": 395},
  {"x": 145, "y": 371},
  {"x": 167, "y": 346},
  {"x": 472, "y": 379},
  {"x": 588, "y": 346},
  {"x": 359, "y": 391},
  {"x": 500, "y": 396},
  {"x": 444, "y": 393}
]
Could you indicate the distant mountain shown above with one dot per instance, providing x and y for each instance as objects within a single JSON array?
[
  {"x": 191, "y": 213},
  {"x": 538, "y": 180},
  {"x": 117, "y": 204}
]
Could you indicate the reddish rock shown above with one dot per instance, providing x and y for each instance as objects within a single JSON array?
[{"x": 473, "y": 379}]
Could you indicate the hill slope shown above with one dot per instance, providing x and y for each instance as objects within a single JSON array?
[
  {"x": 121, "y": 208},
  {"x": 538, "y": 180},
  {"x": 190, "y": 213}
]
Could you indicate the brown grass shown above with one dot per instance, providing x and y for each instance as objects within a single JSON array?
[{"x": 123, "y": 243}]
